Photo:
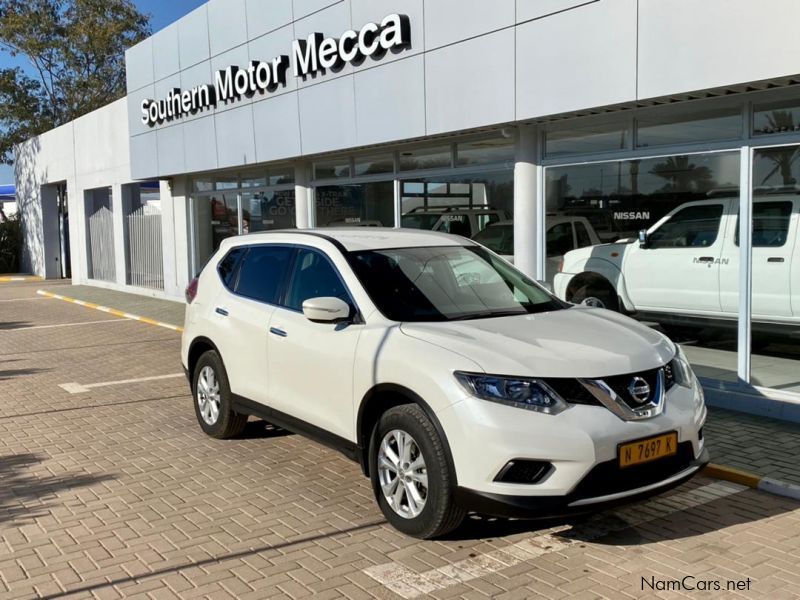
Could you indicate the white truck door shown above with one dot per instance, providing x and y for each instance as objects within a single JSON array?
[
  {"x": 774, "y": 242},
  {"x": 678, "y": 270},
  {"x": 775, "y": 231}
]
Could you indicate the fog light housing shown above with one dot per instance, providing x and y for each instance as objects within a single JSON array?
[{"x": 524, "y": 471}]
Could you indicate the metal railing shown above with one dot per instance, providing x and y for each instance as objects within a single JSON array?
[
  {"x": 145, "y": 257},
  {"x": 101, "y": 245}
]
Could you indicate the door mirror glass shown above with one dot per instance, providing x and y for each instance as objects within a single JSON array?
[
  {"x": 643, "y": 238},
  {"x": 326, "y": 309}
]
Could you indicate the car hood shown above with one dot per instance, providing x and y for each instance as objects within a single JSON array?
[{"x": 575, "y": 342}]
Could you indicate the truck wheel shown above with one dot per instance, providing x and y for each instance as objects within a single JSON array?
[
  {"x": 597, "y": 295},
  {"x": 409, "y": 473}
]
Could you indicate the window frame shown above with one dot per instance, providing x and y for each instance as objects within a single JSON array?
[
  {"x": 235, "y": 271},
  {"x": 356, "y": 316}
]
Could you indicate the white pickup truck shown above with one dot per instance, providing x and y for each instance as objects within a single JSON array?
[{"x": 685, "y": 268}]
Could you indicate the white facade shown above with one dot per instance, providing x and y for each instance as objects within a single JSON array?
[{"x": 551, "y": 97}]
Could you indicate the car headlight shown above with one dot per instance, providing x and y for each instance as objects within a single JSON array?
[
  {"x": 682, "y": 371},
  {"x": 522, "y": 392}
]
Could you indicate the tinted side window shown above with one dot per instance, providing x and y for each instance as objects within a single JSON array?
[
  {"x": 770, "y": 224},
  {"x": 559, "y": 239},
  {"x": 227, "y": 267},
  {"x": 262, "y": 272},
  {"x": 692, "y": 227},
  {"x": 584, "y": 239},
  {"x": 313, "y": 276}
]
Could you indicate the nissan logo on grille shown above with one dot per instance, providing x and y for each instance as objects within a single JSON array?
[{"x": 639, "y": 390}]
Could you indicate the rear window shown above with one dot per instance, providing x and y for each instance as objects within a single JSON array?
[{"x": 227, "y": 267}]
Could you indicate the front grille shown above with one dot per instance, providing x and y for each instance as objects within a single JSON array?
[
  {"x": 621, "y": 384},
  {"x": 572, "y": 391},
  {"x": 608, "y": 478}
]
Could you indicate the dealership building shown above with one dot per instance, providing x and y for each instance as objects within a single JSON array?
[{"x": 538, "y": 127}]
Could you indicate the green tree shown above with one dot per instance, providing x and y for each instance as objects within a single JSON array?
[{"x": 76, "y": 49}]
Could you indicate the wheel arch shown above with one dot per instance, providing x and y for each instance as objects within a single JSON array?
[
  {"x": 603, "y": 275},
  {"x": 381, "y": 398},
  {"x": 199, "y": 346}
]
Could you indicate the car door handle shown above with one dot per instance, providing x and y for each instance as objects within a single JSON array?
[
  {"x": 776, "y": 259},
  {"x": 278, "y": 332},
  {"x": 221, "y": 311},
  {"x": 706, "y": 259}
]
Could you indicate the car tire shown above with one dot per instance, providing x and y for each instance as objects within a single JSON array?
[
  {"x": 400, "y": 484},
  {"x": 598, "y": 296},
  {"x": 211, "y": 396}
]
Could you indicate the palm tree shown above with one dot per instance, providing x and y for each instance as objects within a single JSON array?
[
  {"x": 782, "y": 158},
  {"x": 683, "y": 176}
]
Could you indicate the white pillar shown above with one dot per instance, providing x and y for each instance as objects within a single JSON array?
[
  {"x": 526, "y": 202},
  {"x": 182, "y": 234},
  {"x": 302, "y": 195},
  {"x": 120, "y": 206}
]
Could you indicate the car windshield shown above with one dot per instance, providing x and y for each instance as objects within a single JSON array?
[{"x": 447, "y": 283}]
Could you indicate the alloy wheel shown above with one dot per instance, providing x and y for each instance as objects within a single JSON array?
[
  {"x": 402, "y": 474},
  {"x": 208, "y": 396}
]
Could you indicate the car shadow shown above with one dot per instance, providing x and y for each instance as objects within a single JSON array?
[
  {"x": 611, "y": 528},
  {"x": 10, "y": 325},
  {"x": 258, "y": 429},
  {"x": 11, "y": 373},
  {"x": 25, "y": 491}
]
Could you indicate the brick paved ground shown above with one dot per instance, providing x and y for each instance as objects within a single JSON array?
[
  {"x": 117, "y": 493},
  {"x": 757, "y": 444}
]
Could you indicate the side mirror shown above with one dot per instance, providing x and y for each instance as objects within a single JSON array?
[
  {"x": 326, "y": 310},
  {"x": 643, "y": 238}
]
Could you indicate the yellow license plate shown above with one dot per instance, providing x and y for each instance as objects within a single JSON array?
[{"x": 644, "y": 451}]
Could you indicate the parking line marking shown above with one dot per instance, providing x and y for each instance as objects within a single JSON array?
[
  {"x": 408, "y": 584},
  {"x": 78, "y": 388},
  {"x": 67, "y": 324},
  {"x": 21, "y": 299},
  {"x": 111, "y": 311}
]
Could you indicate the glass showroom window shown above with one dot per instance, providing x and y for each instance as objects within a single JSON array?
[
  {"x": 684, "y": 277},
  {"x": 587, "y": 137},
  {"x": 355, "y": 204},
  {"x": 775, "y": 303},
  {"x": 462, "y": 204},
  {"x": 772, "y": 118},
  {"x": 227, "y": 205},
  {"x": 657, "y": 128}
]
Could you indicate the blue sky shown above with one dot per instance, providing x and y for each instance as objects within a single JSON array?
[{"x": 162, "y": 14}]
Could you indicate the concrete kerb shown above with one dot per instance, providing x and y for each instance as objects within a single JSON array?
[
  {"x": 18, "y": 278},
  {"x": 111, "y": 311}
]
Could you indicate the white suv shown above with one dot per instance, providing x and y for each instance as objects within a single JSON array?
[{"x": 455, "y": 381}]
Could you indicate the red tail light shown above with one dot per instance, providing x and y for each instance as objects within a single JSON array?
[{"x": 191, "y": 291}]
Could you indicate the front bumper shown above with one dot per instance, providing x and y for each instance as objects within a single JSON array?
[
  {"x": 604, "y": 487},
  {"x": 581, "y": 445}
]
